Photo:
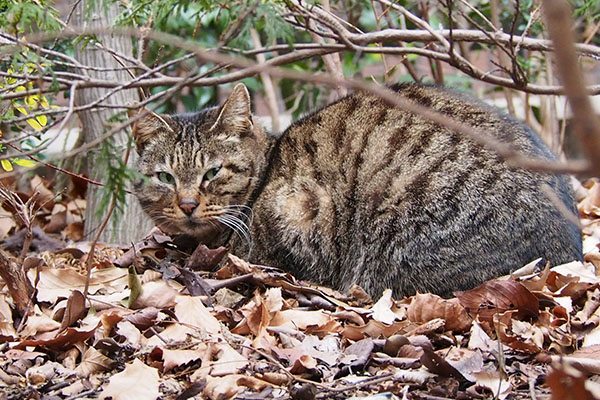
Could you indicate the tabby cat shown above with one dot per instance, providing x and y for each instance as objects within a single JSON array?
[{"x": 358, "y": 192}]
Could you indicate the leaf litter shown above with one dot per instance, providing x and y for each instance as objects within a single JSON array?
[{"x": 164, "y": 322}]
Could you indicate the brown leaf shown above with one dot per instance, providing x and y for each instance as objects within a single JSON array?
[
  {"x": 93, "y": 362},
  {"x": 143, "y": 319},
  {"x": 302, "y": 364},
  {"x": 426, "y": 307},
  {"x": 7, "y": 224},
  {"x": 74, "y": 231},
  {"x": 226, "y": 387},
  {"x": 205, "y": 259},
  {"x": 591, "y": 203},
  {"x": 6, "y": 320},
  {"x": 438, "y": 365},
  {"x": 157, "y": 294},
  {"x": 58, "y": 220},
  {"x": 498, "y": 296},
  {"x": 42, "y": 195},
  {"x": 78, "y": 187},
  {"x": 191, "y": 311},
  {"x": 75, "y": 310},
  {"x": 137, "y": 381},
  {"x": 60, "y": 342},
  {"x": 493, "y": 382},
  {"x": 359, "y": 353},
  {"x": 54, "y": 283},
  {"x": 300, "y": 319},
  {"x": 132, "y": 335},
  {"x": 224, "y": 360},
  {"x": 373, "y": 329},
  {"x": 360, "y": 294},
  {"x": 566, "y": 383},
  {"x": 519, "y": 335},
  {"x": 173, "y": 358}
]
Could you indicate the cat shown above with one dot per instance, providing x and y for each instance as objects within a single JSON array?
[{"x": 358, "y": 192}]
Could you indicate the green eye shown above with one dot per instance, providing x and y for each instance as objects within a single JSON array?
[
  {"x": 165, "y": 177},
  {"x": 211, "y": 173}
]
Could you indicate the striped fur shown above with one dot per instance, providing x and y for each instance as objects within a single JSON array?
[{"x": 359, "y": 192}]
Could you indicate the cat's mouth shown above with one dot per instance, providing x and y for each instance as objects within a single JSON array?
[{"x": 203, "y": 230}]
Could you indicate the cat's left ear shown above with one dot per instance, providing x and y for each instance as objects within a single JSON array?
[{"x": 236, "y": 113}]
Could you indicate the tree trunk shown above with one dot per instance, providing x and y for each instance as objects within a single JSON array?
[{"x": 102, "y": 14}]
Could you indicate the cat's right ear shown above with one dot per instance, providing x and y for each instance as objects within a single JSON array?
[
  {"x": 235, "y": 113},
  {"x": 149, "y": 127}
]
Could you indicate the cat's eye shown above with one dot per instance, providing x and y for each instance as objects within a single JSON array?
[
  {"x": 211, "y": 173},
  {"x": 166, "y": 177}
]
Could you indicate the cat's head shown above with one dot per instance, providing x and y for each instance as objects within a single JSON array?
[{"x": 200, "y": 168}]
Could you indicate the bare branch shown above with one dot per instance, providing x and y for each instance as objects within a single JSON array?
[{"x": 587, "y": 126}]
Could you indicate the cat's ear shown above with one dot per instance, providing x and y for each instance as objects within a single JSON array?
[
  {"x": 236, "y": 114},
  {"x": 149, "y": 127}
]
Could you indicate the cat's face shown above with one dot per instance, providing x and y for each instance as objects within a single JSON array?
[{"x": 200, "y": 168}]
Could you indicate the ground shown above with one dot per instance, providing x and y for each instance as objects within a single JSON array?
[{"x": 160, "y": 322}]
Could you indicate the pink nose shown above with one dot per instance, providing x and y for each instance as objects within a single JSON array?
[{"x": 188, "y": 206}]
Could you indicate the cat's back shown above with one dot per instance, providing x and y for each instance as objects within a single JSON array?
[{"x": 361, "y": 192}]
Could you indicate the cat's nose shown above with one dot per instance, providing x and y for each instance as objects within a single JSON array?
[{"x": 188, "y": 206}]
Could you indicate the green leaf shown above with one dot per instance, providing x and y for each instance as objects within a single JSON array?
[
  {"x": 135, "y": 286},
  {"x": 24, "y": 162},
  {"x": 6, "y": 165}
]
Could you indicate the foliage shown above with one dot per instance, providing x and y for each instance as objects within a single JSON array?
[
  {"x": 24, "y": 16},
  {"x": 116, "y": 178},
  {"x": 32, "y": 104}
]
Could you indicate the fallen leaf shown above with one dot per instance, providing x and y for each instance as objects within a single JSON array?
[
  {"x": 497, "y": 296},
  {"x": 382, "y": 310},
  {"x": 127, "y": 385},
  {"x": 173, "y": 358},
  {"x": 426, "y": 307},
  {"x": 54, "y": 283},
  {"x": 577, "y": 269},
  {"x": 499, "y": 387},
  {"x": 156, "y": 294},
  {"x": 567, "y": 383},
  {"x": 6, "y": 321},
  {"x": 62, "y": 341},
  {"x": 191, "y": 311},
  {"x": 226, "y": 387},
  {"x": 93, "y": 362},
  {"x": 373, "y": 329},
  {"x": 75, "y": 309},
  {"x": 300, "y": 319}
]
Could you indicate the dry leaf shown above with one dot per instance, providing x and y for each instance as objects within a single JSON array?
[
  {"x": 137, "y": 381},
  {"x": 191, "y": 311},
  {"x": 226, "y": 387},
  {"x": 567, "y": 383},
  {"x": 223, "y": 360},
  {"x": 63, "y": 341},
  {"x": 6, "y": 321},
  {"x": 382, "y": 310},
  {"x": 173, "y": 358},
  {"x": 157, "y": 294},
  {"x": 75, "y": 309},
  {"x": 300, "y": 319},
  {"x": 93, "y": 362},
  {"x": 373, "y": 329},
  {"x": 54, "y": 283},
  {"x": 426, "y": 307},
  {"x": 129, "y": 331},
  {"x": 494, "y": 383},
  {"x": 498, "y": 296}
]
